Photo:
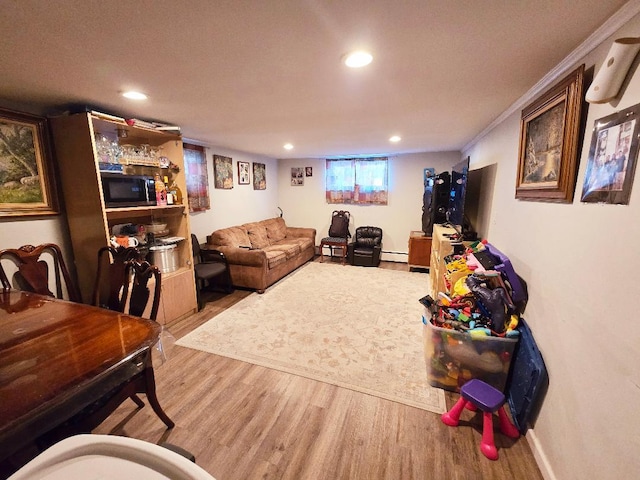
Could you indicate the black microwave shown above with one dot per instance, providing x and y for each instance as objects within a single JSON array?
[{"x": 128, "y": 190}]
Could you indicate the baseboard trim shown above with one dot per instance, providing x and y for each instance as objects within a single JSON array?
[{"x": 539, "y": 455}]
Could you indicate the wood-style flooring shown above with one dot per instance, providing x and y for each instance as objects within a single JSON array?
[{"x": 243, "y": 421}]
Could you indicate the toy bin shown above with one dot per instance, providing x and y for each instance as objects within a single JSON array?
[{"x": 454, "y": 357}]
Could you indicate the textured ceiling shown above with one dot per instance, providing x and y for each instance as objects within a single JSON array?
[{"x": 254, "y": 75}]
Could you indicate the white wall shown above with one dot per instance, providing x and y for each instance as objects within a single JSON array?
[
  {"x": 580, "y": 262},
  {"x": 306, "y": 205},
  {"x": 242, "y": 203}
]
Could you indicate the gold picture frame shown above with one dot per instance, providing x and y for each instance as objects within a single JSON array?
[
  {"x": 549, "y": 137},
  {"x": 27, "y": 183}
]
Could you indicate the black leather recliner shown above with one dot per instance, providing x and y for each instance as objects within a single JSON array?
[{"x": 366, "y": 247}]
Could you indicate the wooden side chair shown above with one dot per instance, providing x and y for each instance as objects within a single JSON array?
[
  {"x": 136, "y": 285},
  {"x": 110, "y": 276},
  {"x": 32, "y": 272},
  {"x": 338, "y": 234}
]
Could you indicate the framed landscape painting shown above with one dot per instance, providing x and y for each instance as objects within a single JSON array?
[
  {"x": 549, "y": 137},
  {"x": 27, "y": 185}
]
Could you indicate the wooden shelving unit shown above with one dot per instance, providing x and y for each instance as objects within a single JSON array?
[{"x": 90, "y": 221}]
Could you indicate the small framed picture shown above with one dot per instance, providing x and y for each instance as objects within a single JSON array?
[
  {"x": 243, "y": 173},
  {"x": 612, "y": 158},
  {"x": 297, "y": 176},
  {"x": 308, "y": 171}
]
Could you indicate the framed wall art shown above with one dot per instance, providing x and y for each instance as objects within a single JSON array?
[
  {"x": 27, "y": 184},
  {"x": 197, "y": 177},
  {"x": 308, "y": 171},
  {"x": 223, "y": 172},
  {"x": 243, "y": 173},
  {"x": 549, "y": 139},
  {"x": 612, "y": 158},
  {"x": 297, "y": 176},
  {"x": 259, "y": 176}
]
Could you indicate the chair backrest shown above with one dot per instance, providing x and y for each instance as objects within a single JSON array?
[
  {"x": 136, "y": 293},
  {"x": 107, "y": 289},
  {"x": 195, "y": 247},
  {"x": 340, "y": 224},
  {"x": 368, "y": 236},
  {"x": 33, "y": 271}
]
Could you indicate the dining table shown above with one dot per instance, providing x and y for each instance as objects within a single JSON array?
[{"x": 64, "y": 365}]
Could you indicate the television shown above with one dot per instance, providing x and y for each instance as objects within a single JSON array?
[{"x": 457, "y": 191}]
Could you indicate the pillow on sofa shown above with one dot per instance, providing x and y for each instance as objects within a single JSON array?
[
  {"x": 230, "y": 237},
  {"x": 276, "y": 229},
  {"x": 257, "y": 234}
]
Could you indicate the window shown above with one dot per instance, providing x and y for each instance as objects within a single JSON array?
[{"x": 359, "y": 181}]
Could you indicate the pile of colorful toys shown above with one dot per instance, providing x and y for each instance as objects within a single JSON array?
[{"x": 478, "y": 301}]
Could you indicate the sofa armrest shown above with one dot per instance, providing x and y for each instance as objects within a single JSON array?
[
  {"x": 298, "y": 232},
  {"x": 244, "y": 256}
]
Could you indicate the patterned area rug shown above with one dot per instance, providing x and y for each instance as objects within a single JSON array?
[{"x": 358, "y": 328}]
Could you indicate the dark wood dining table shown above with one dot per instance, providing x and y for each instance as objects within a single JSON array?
[{"x": 59, "y": 359}]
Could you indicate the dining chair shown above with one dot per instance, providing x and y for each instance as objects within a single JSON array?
[
  {"x": 209, "y": 265},
  {"x": 136, "y": 293},
  {"x": 110, "y": 277},
  {"x": 139, "y": 286},
  {"x": 32, "y": 272}
]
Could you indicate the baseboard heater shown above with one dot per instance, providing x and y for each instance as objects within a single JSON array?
[{"x": 391, "y": 256}]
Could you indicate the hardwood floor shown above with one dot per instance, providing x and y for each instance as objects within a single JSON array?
[{"x": 243, "y": 421}]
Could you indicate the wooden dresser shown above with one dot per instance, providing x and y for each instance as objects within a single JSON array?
[{"x": 419, "y": 250}]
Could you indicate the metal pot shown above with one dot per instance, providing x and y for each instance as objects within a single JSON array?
[{"x": 165, "y": 257}]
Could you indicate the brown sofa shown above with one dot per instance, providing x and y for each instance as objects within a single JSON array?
[{"x": 261, "y": 253}]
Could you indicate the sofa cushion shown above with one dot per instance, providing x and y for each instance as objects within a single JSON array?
[
  {"x": 302, "y": 242},
  {"x": 275, "y": 257},
  {"x": 230, "y": 237},
  {"x": 257, "y": 234},
  {"x": 290, "y": 250},
  {"x": 276, "y": 229}
]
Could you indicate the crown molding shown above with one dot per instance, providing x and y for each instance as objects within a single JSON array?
[{"x": 612, "y": 25}]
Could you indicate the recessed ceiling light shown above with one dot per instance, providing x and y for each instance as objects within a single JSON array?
[
  {"x": 395, "y": 139},
  {"x": 131, "y": 95},
  {"x": 358, "y": 59},
  {"x": 288, "y": 146}
]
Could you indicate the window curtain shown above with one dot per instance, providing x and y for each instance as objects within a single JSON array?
[{"x": 358, "y": 181}]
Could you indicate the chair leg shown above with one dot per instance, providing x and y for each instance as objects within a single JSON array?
[
  {"x": 506, "y": 426},
  {"x": 487, "y": 446},
  {"x": 452, "y": 417},
  {"x": 137, "y": 400}
]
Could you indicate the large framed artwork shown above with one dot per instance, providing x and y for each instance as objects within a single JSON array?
[
  {"x": 27, "y": 184},
  {"x": 223, "y": 172},
  {"x": 259, "y": 176},
  {"x": 612, "y": 158},
  {"x": 197, "y": 176},
  {"x": 549, "y": 139}
]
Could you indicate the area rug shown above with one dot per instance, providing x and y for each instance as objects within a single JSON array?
[{"x": 354, "y": 327}]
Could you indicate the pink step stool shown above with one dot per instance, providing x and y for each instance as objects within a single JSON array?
[{"x": 478, "y": 394}]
